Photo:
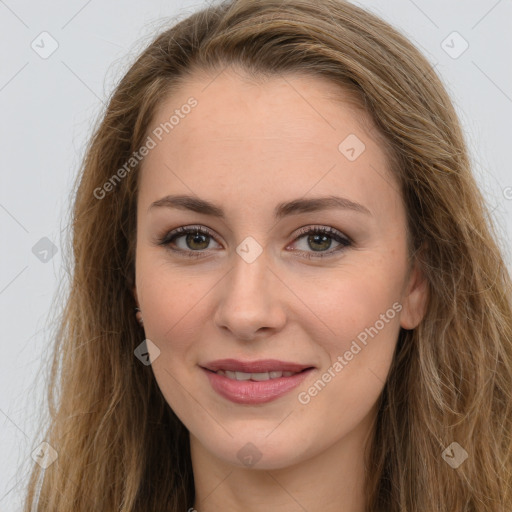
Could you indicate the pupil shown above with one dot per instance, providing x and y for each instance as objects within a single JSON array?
[
  {"x": 194, "y": 236},
  {"x": 314, "y": 238}
]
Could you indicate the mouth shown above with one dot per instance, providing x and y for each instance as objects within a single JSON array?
[
  {"x": 258, "y": 376},
  {"x": 263, "y": 369},
  {"x": 254, "y": 382}
]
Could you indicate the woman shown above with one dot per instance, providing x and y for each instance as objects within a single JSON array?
[{"x": 282, "y": 193}]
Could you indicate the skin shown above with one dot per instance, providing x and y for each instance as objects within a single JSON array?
[{"x": 246, "y": 147}]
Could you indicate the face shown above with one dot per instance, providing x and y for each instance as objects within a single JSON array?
[{"x": 277, "y": 279}]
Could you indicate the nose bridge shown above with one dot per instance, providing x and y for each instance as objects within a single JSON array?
[
  {"x": 249, "y": 298},
  {"x": 250, "y": 267}
]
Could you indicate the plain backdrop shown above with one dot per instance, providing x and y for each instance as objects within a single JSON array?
[{"x": 48, "y": 106}]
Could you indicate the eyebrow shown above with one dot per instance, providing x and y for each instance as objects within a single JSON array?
[{"x": 297, "y": 206}]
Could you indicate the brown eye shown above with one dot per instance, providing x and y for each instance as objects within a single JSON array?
[
  {"x": 319, "y": 239},
  {"x": 196, "y": 240},
  {"x": 319, "y": 242}
]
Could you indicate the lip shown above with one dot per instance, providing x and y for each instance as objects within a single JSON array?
[
  {"x": 255, "y": 392},
  {"x": 260, "y": 366}
]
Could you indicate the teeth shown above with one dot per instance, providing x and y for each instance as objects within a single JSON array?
[
  {"x": 260, "y": 376},
  {"x": 254, "y": 376}
]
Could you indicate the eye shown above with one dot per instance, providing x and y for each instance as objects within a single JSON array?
[
  {"x": 321, "y": 237},
  {"x": 196, "y": 240}
]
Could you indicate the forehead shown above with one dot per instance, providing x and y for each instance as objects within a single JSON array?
[{"x": 286, "y": 136}]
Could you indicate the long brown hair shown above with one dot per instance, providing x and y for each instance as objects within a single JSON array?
[{"x": 120, "y": 446}]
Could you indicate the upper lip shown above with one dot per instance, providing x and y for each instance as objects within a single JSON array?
[{"x": 260, "y": 366}]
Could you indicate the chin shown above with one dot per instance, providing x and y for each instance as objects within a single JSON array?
[{"x": 259, "y": 452}]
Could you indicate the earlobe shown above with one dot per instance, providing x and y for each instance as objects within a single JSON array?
[
  {"x": 415, "y": 300},
  {"x": 138, "y": 313}
]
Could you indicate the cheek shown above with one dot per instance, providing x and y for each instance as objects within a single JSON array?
[
  {"x": 360, "y": 352},
  {"x": 358, "y": 316},
  {"x": 360, "y": 302},
  {"x": 173, "y": 308},
  {"x": 358, "y": 362},
  {"x": 175, "y": 314},
  {"x": 172, "y": 302}
]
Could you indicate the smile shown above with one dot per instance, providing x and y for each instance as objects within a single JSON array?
[
  {"x": 254, "y": 376},
  {"x": 254, "y": 382}
]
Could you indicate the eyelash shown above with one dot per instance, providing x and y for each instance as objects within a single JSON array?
[{"x": 328, "y": 231}]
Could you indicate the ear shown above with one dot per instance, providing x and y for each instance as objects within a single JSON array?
[{"x": 415, "y": 299}]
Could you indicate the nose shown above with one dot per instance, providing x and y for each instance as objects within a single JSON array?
[{"x": 250, "y": 301}]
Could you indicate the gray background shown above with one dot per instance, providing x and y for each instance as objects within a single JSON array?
[{"x": 49, "y": 106}]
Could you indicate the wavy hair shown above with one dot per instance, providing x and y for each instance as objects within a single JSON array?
[{"x": 119, "y": 444}]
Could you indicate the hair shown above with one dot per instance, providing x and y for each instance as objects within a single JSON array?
[{"x": 121, "y": 447}]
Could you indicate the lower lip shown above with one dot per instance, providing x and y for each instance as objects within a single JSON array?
[{"x": 254, "y": 392}]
